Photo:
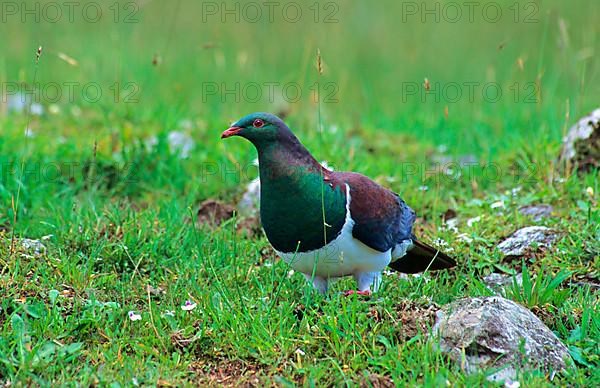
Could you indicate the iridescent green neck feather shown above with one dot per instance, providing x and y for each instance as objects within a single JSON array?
[{"x": 295, "y": 199}]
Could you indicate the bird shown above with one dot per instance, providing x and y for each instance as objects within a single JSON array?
[{"x": 327, "y": 224}]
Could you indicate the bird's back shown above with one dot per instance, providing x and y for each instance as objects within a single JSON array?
[{"x": 381, "y": 218}]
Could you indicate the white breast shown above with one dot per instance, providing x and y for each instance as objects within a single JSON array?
[{"x": 340, "y": 257}]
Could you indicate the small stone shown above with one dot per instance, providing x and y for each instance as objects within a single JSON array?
[
  {"x": 498, "y": 282},
  {"x": 536, "y": 212},
  {"x": 155, "y": 291},
  {"x": 581, "y": 146},
  {"x": 519, "y": 242},
  {"x": 34, "y": 246}
]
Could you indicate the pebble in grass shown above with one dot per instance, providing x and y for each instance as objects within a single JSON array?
[
  {"x": 525, "y": 239},
  {"x": 497, "y": 282},
  {"x": 34, "y": 246},
  {"x": 581, "y": 146},
  {"x": 536, "y": 212}
]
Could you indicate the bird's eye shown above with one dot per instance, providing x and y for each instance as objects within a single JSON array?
[{"x": 258, "y": 123}]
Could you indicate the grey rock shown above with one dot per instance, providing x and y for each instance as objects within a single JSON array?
[
  {"x": 520, "y": 241},
  {"x": 498, "y": 282},
  {"x": 33, "y": 246},
  {"x": 581, "y": 146},
  {"x": 467, "y": 160},
  {"x": 445, "y": 162},
  {"x": 493, "y": 332},
  {"x": 536, "y": 212}
]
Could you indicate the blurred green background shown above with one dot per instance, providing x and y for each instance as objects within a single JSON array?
[{"x": 540, "y": 54}]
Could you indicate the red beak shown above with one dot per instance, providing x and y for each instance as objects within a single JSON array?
[{"x": 230, "y": 132}]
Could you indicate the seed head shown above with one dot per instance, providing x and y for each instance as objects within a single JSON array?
[{"x": 319, "y": 62}]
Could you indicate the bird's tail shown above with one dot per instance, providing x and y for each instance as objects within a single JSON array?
[{"x": 422, "y": 257}]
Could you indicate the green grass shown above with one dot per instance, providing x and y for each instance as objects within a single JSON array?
[{"x": 119, "y": 213}]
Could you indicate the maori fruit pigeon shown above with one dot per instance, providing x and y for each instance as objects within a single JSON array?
[{"x": 328, "y": 224}]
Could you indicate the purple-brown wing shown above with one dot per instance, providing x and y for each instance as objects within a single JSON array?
[{"x": 381, "y": 218}]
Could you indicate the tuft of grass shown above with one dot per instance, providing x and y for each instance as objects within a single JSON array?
[{"x": 539, "y": 290}]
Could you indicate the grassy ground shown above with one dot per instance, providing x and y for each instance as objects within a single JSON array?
[{"x": 96, "y": 180}]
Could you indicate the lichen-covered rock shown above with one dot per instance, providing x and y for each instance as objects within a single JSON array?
[
  {"x": 536, "y": 212},
  {"x": 36, "y": 247},
  {"x": 497, "y": 282},
  {"x": 520, "y": 242},
  {"x": 581, "y": 146},
  {"x": 493, "y": 332}
]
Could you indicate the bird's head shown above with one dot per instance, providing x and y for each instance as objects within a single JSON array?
[{"x": 258, "y": 127}]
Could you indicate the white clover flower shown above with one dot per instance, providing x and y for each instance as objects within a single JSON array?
[
  {"x": 188, "y": 305},
  {"x": 134, "y": 316}
]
